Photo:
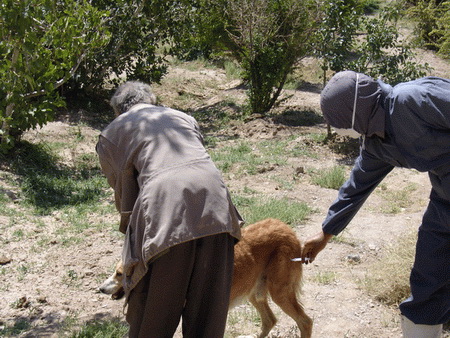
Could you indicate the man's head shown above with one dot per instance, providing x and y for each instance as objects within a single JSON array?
[
  {"x": 350, "y": 102},
  {"x": 129, "y": 94}
]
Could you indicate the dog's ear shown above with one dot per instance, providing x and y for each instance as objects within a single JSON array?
[{"x": 119, "y": 269}]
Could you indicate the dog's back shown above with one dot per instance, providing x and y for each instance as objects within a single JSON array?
[{"x": 262, "y": 266}]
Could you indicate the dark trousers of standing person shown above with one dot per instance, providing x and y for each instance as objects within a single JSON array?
[
  {"x": 429, "y": 303},
  {"x": 192, "y": 282}
]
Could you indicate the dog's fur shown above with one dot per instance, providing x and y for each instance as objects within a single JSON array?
[{"x": 262, "y": 267}]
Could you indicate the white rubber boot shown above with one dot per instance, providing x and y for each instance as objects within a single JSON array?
[{"x": 411, "y": 330}]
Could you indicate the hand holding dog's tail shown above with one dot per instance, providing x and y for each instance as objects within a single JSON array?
[{"x": 313, "y": 245}]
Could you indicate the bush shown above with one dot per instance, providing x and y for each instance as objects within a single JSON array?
[
  {"x": 433, "y": 24},
  {"x": 42, "y": 45}
]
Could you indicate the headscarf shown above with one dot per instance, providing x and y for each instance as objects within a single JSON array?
[{"x": 351, "y": 100}]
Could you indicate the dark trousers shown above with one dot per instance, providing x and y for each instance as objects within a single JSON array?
[
  {"x": 192, "y": 282},
  {"x": 429, "y": 303}
]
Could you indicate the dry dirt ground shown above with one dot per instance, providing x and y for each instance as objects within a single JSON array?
[{"x": 53, "y": 286}]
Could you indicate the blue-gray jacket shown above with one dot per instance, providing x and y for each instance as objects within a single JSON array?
[{"x": 417, "y": 135}]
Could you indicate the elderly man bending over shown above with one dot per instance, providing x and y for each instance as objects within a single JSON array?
[{"x": 179, "y": 222}]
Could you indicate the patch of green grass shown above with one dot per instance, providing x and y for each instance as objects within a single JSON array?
[
  {"x": 396, "y": 199},
  {"x": 318, "y": 137},
  {"x": 331, "y": 178},
  {"x": 250, "y": 158},
  {"x": 342, "y": 239},
  {"x": 20, "y": 326},
  {"x": 48, "y": 185},
  {"x": 23, "y": 270},
  {"x": 233, "y": 70},
  {"x": 256, "y": 208},
  {"x": 388, "y": 279},
  {"x": 102, "y": 329},
  {"x": 325, "y": 277}
]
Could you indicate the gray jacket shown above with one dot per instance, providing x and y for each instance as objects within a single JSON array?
[{"x": 167, "y": 189}]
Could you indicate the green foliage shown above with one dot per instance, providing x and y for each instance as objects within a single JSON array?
[
  {"x": 42, "y": 44},
  {"x": 348, "y": 39},
  {"x": 443, "y": 29},
  {"x": 331, "y": 178},
  {"x": 433, "y": 24},
  {"x": 381, "y": 53},
  {"x": 137, "y": 29},
  {"x": 102, "y": 329},
  {"x": 268, "y": 38},
  {"x": 48, "y": 185},
  {"x": 335, "y": 37}
]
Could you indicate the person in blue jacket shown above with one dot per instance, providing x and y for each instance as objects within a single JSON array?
[{"x": 406, "y": 126}]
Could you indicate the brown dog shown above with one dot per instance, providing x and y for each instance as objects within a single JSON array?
[{"x": 263, "y": 266}]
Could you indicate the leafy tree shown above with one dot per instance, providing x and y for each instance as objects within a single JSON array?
[
  {"x": 443, "y": 29},
  {"x": 433, "y": 24},
  {"x": 267, "y": 38},
  {"x": 138, "y": 28},
  {"x": 335, "y": 38},
  {"x": 381, "y": 53},
  {"x": 43, "y": 42}
]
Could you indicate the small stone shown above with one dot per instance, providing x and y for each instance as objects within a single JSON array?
[{"x": 353, "y": 258}]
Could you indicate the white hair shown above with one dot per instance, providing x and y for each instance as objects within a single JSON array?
[{"x": 131, "y": 93}]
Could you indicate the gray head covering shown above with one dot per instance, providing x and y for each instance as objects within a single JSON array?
[{"x": 337, "y": 102}]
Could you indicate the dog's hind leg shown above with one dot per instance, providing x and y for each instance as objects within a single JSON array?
[
  {"x": 284, "y": 283},
  {"x": 259, "y": 300},
  {"x": 295, "y": 310}
]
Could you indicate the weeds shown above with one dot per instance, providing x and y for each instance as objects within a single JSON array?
[
  {"x": 19, "y": 327},
  {"x": 331, "y": 178},
  {"x": 325, "y": 278},
  {"x": 48, "y": 185},
  {"x": 256, "y": 208},
  {"x": 102, "y": 329},
  {"x": 388, "y": 279},
  {"x": 396, "y": 200}
]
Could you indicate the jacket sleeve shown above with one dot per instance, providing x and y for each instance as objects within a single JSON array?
[
  {"x": 367, "y": 173},
  {"x": 122, "y": 180}
]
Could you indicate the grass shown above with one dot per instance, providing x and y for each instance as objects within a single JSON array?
[
  {"x": 253, "y": 157},
  {"x": 325, "y": 277},
  {"x": 396, "y": 199},
  {"x": 48, "y": 185},
  {"x": 16, "y": 329},
  {"x": 102, "y": 329},
  {"x": 330, "y": 178},
  {"x": 388, "y": 279},
  {"x": 256, "y": 208}
]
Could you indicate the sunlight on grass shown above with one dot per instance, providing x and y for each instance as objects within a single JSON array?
[
  {"x": 330, "y": 178},
  {"x": 251, "y": 158},
  {"x": 388, "y": 279},
  {"x": 256, "y": 208},
  {"x": 325, "y": 277},
  {"x": 48, "y": 185},
  {"x": 102, "y": 329},
  {"x": 397, "y": 200}
]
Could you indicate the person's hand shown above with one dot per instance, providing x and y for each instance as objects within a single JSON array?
[{"x": 313, "y": 245}]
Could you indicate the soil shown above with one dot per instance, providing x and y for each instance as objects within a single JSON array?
[{"x": 53, "y": 286}]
